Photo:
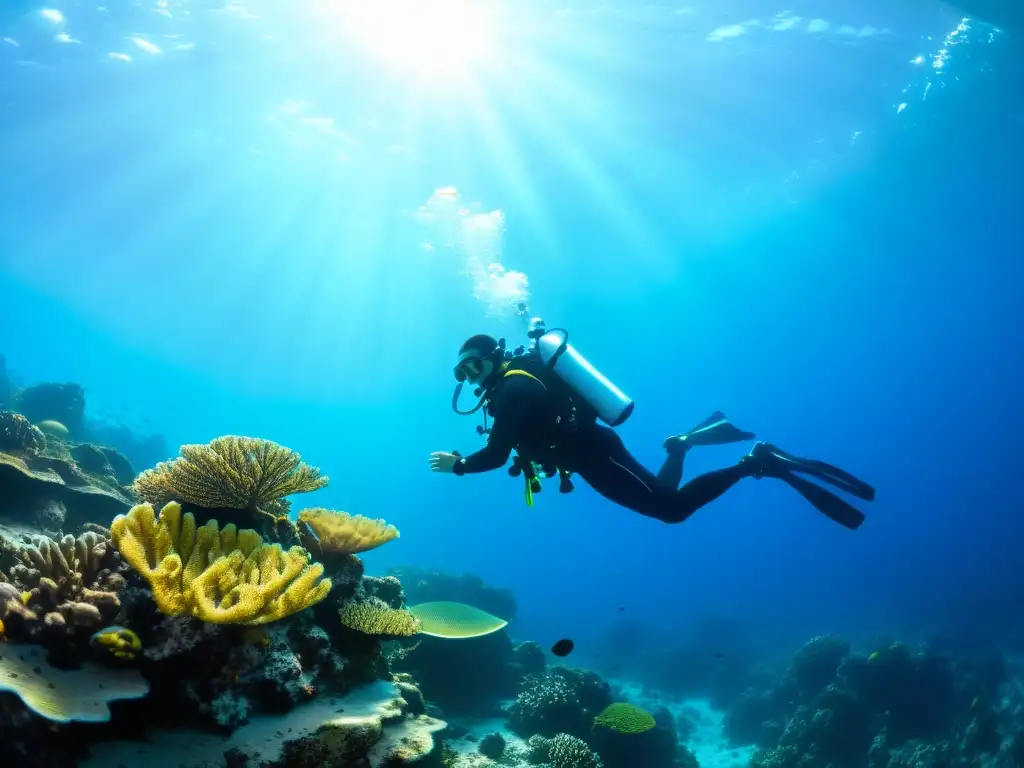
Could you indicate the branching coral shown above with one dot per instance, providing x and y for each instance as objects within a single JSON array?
[
  {"x": 565, "y": 751},
  {"x": 231, "y": 472},
  {"x": 60, "y": 586},
  {"x": 339, "y": 533},
  {"x": 375, "y": 617},
  {"x": 219, "y": 576}
]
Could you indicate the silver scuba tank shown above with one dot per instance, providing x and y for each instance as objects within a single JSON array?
[{"x": 612, "y": 405}]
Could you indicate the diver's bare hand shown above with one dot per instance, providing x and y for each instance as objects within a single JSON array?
[{"x": 441, "y": 461}]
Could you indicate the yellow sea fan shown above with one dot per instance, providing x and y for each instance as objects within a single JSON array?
[{"x": 339, "y": 533}]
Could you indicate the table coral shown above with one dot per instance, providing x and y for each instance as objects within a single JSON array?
[
  {"x": 65, "y": 695},
  {"x": 218, "y": 575},
  {"x": 230, "y": 472}
]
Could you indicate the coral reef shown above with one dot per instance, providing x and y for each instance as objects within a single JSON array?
[
  {"x": 895, "y": 707},
  {"x": 219, "y": 576},
  {"x": 562, "y": 700}
]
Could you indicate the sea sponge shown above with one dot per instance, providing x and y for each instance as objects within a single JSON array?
[
  {"x": 339, "y": 533},
  {"x": 219, "y": 576},
  {"x": 230, "y": 472},
  {"x": 65, "y": 695},
  {"x": 375, "y": 617},
  {"x": 625, "y": 718}
]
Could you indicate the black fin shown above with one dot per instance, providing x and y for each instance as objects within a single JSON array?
[
  {"x": 716, "y": 429},
  {"x": 824, "y": 501},
  {"x": 826, "y": 473}
]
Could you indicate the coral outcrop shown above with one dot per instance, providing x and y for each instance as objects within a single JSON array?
[
  {"x": 44, "y": 485},
  {"x": 52, "y": 589}
]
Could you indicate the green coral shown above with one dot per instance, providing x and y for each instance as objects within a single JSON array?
[{"x": 625, "y": 718}]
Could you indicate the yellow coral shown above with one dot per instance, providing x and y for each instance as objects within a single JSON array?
[
  {"x": 339, "y": 533},
  {"x": 375, "y": 617},
  {"x": 221, "y": 576},
  {"x": 231, "y": 472}
]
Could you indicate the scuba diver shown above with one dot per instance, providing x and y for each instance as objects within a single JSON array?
[{"x": 545, "y": 403}]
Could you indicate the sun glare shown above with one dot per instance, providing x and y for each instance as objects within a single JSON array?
[{"x": 442, "y": 37}]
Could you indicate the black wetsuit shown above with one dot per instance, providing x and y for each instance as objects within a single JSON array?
[{"x": 525, "y": 418}]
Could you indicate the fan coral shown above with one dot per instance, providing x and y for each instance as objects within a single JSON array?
[
  {"x": 339, "y": 533},
  {"x": 375, "y": 617},
  {"x": 231, "y": 472},
  {"x": 219, "y": 576}
]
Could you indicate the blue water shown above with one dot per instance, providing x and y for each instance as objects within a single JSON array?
[{"x": 802, "y": 215}]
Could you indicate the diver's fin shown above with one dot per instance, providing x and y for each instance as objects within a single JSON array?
[
  {"x": 824, "y": 501},
  {"x": 841, "y": 479},
  {"x": 716, "y": 429}
]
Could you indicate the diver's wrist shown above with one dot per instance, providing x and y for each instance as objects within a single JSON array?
[{"x": 459, "y": 467}]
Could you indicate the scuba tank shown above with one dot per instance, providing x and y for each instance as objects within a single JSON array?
[{"x": 612, "y": 405}]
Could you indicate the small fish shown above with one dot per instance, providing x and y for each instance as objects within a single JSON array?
[
  {"x": 563, "y": 647},
  {"x": 621, "y": 609},
  {"x": 719, "y": 655}
]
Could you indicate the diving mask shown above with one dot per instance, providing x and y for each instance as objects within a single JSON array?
[{"x": 470, "y": 369}]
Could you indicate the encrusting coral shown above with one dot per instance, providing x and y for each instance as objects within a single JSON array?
[
  {"x": 58, "y": 587},
  {"x": 339, "y": 533},
  {"x": 230, "y": 472},
  {"x": 224, "y": 576}
]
